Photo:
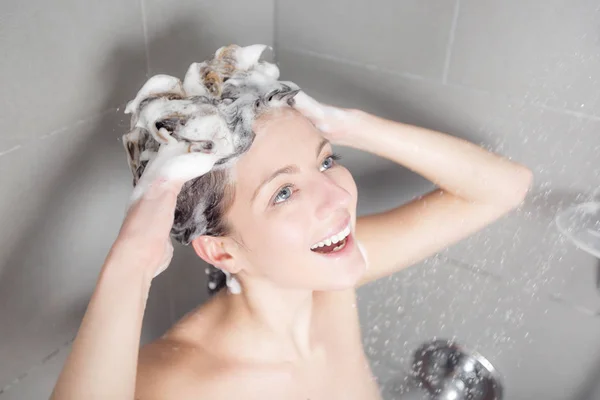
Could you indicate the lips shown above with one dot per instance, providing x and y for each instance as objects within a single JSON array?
[
  {"x": 333, "y": 247},
  {"x": 332, "y": 240},
  {"x": 335, "y": 240}
]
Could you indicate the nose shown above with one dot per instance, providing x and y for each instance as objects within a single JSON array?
[{"x": 331, "y": 198}]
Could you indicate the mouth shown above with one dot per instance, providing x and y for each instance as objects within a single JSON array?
[{"x": 333, "y": 244}]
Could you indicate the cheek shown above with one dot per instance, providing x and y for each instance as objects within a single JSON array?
[
  {"x": 346, "y": 181},
  {"x": 280, "y": 234}
]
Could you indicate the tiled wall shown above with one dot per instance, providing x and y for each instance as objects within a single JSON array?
[
  {"x": 521, "y": 78},
  {"x": 67, "y": 69}
]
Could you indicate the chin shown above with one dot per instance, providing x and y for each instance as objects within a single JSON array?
[
  {"x": 354, "y": 274},
  {"x": 346, "y": 277}
]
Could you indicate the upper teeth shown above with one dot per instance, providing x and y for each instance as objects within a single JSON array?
[{"x": 332, "y": 239}]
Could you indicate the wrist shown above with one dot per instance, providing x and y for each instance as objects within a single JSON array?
[
  {"x": 128, "y": 263},
  {"x": 362, "y": 130}
]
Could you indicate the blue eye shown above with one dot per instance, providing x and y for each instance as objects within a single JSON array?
[
  {"x": 283, "y": 195},
  {"x": 329, "y": 162},
  {"x": 286, "y": 192}
]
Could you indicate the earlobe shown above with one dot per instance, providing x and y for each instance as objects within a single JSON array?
[{"x": 213, "y": 251}]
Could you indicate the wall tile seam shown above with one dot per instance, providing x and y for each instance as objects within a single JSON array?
[
  {"x": 275, "y": 32},
  {"x": 144, "y": 19},
  {"x": 415, "y": 77},
  {"x": 542, "y": 294},
  {"x": 23, "y": 376},
  {"x": 450, "y": 45},
  {"x": 63, "y": 129}
]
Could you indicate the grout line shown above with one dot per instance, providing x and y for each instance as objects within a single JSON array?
[
  {"x": 274, "y": 41},
  {"x": 5, "y": 152},
  {"x": 145, "y": 30},
  {"x": 19, "y": 379},
  {"x": 76, "y": 123},
  {"x": 371, "y": 67},
  {"x": 567, "y": 111},
  {"x": 61, "y": 130},
  {"x": 415, "y": 77},
  {"x": 550, "y": 296},
  {"x": 451, "y": 42},
  {"x": 573, "y": 306}
]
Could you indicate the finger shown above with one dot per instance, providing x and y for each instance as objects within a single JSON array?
[
  {"x": 308, "y": 106},
  {"x": 170, "y": 170},
  {"x": 188, "y": 166}
]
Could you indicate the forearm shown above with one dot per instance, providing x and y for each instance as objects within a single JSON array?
[
  {"x": 457, "y": 166},
  {"x": 103, "y": 360}
]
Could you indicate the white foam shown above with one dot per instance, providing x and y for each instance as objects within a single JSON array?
[
  {"x": 317, "y": 112},
  {"x": 191, "y": 82},
  {"x": 248, "y": 56},
  {"x": 158, "y": 84},
  {"x": 199, "y": 121},
  {"x": 194, "y": 120},
  {"x": 173, "y": 162},
  {"x": 232, "y": 283}
]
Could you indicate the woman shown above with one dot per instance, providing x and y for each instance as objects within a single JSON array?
[{"x": 290, "y": 237}]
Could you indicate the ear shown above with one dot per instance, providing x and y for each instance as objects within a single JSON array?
[{"x": 214, "y": 251}]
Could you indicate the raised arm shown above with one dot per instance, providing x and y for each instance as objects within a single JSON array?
[
  {"x": 103, "y": 360},
  {"x": 476, "y": 186}
]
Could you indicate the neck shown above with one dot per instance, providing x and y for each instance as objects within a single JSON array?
[{"x": 282, "y": 315}]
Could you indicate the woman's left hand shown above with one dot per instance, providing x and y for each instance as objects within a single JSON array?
[{"x": 338, "y": 125}]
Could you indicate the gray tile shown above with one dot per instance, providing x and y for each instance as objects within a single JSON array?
[
  {"x": 188, "y": 280},
  {"x": 525, "y": 245},
  {"x": 561, "y": 150},
  {"x": 39, "y": 381},
  {"x": 64, "y": 200},
  {"x": 194, "y": 30},
  {"x": 542, "y": 51},
  {"x": 62, "y": 64},
  {"x": 388, "y": 95},
  {"x": 384, "y": 190},
  {"x": 409, "y": 36},
  {"x": 517, "y": 332},
  {"x": 157, "y": 315}
]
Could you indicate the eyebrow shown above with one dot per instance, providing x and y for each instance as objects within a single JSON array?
[{"x": 289, "y": 169}]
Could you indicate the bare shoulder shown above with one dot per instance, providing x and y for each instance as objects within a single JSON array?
[
  {"x": 175, "y": 366},
  {"x": 169, "y": 369},
  {"x": 161, "y": 371},
  {"x": 172, "y": 369},
  {"x": 183, "y": 364}
]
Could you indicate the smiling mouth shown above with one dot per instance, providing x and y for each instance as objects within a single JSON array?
[
  {"x": 332, "y": 248},
  {"x": 333, "y": 243}
]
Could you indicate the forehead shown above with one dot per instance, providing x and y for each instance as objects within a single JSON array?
[
  {"x": 280, "y": 126},
  {"x": 283, "y": 137}
]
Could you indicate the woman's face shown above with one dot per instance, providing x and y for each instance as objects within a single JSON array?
[{"x": 290, "y": 194}]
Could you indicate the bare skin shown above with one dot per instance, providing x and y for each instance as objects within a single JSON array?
[
  {"x": 203, "y": 357},
  {"x": 219, "y": 353},
  {"x": 276, "y": 340}
]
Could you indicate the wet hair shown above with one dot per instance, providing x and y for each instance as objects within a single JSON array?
[
  {"x": 215, "y": 191},
  {"x": 214, "y": 111}
]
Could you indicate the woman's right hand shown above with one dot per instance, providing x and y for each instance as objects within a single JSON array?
[
  {"x": 103, "y": 359},
  {"x": 144, "y": 238}
]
